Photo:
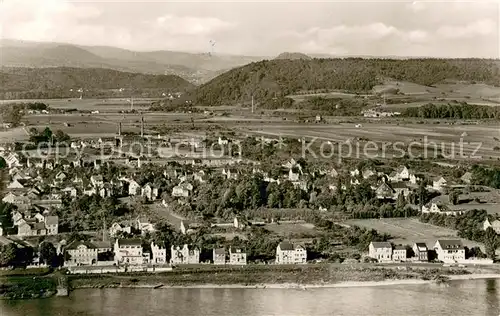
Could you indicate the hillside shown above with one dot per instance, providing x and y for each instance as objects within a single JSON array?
[
  {"x": 193, "y": 67},
  {"x": 292, "y": 56},
  {"x": 57, "y": 82},
  {"x": 278, "y": 78}
]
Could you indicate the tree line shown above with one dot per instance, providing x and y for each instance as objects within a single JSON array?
[{"x": 453, "y": 111}]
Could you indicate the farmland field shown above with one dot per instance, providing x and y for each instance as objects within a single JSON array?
[
  {"x": 485, "y": 135},
  {"x": 410, "y": 230},
  {"x": 102, "y": 105},
  {"x": 288, "y": 229}
]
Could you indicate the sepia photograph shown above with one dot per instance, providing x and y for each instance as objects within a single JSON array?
[{"x": 253, "y": 158}]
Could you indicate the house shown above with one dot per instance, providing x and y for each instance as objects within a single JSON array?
[
  {"x": 184, "y": 255},
  {"x": 16, "y": 184},
  {"x": 52, "y": 225},
  {"x": 150, "y": 191},
  {"x": 31, "y": 228},
  {"x": 144, "y": 225},
  {"x": 438, "y": 208},
  {"x": 294, "y": 174},
  {"x": 182, "y": 190},
  {"x": 13, "y": 160},
  {"x": 400, "y": 188},
  {"x": 384, "y": 191},
  {"x": 223, "y": 141},
  {"x": 200, "y": 176},
  {"x": 239, "y": 222},
  {"x": 367, "y": 173},
  {"x": 133, "y": 188},
  {"x": 129, "y": 251},
  {"x": 237, "y": 256},
  {"x": 84, "y": 252},
  {"x": 421, "y": 252},
  {"x": 287, "y": 253},
  {"x": 61, "y": 176},
  {"x": 355, "y": 172},
  {"x": 450, "y": 251},
  {"x": 466, "y": 178},
  {"x": 413, "y": 179},
  {"x": 105, "y": 191},
  {"x": 71, "y": 191},
  {"x": 382, "y": 251},
  {"x": 495, "y": 225},
  {"x": 439, "y": 184},
  {"x": 159, "y": 254},
  {"x": 187, "y": 226},
  {"x": 230, "y": 173},
  {"x": 403, "y": 173},
  {"x": 18, "y": 200},
  {"x": 219, "y": 255},
  {"x": 116, "y": 228},
  {"x": 399, "y": 254},
  {"x": 97, "y": 181}
]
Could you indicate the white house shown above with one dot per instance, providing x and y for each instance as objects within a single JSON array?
[
  {"x": 495, "y": 225},
  {"x": 133, "y": 188},
  {"x": 84, "y": 253},
  {"x": 237, "y": 256},
  {"x": 450, "y": 251},
  {"x": 159, "y": 254},
  {"x": 439, "y": 184},
  {"x": 16, "y": 184},
  {"x": 184, "y": 255},
  {"x": 117, "y": 228},
  {"x": 130, "y": 252},
  {"x": 382, "y": 251},
  {"x": 287, "y": 253},
  {"x": 150, "y": 191}
]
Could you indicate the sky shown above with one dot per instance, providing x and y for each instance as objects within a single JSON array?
[{"x": 263, "y": 28}]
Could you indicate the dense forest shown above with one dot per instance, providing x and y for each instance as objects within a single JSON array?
[
  {"x": 453, "y": 110},
  {"x": 266, "y": 80},
  {"x": 64, "y": 82}
]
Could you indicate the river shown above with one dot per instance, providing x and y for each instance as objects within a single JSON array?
[{"x": 471, "y": 297}]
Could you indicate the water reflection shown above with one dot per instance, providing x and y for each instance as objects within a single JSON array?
[{"x": 479, "y": 297}]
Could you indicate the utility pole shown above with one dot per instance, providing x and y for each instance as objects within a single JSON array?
[
  {"x": 142, "y": 126},
  {"x": 252, "y": 104}
]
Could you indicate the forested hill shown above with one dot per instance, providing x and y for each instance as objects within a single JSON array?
[
  {"x": 57, "y": 82},
  {"x": 268, "y": 79}
]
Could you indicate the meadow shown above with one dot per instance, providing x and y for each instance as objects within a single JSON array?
[{"x": 410, "y": 230}]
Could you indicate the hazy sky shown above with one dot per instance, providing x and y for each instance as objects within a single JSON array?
[{"x": 404, "y": 28}]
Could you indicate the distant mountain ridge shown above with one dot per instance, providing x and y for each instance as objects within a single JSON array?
[
  {"x": 293, "y": 56},
  {"x": 196, "y": 68}
]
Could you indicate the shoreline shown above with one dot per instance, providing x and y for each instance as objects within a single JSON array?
[{"x": 297, "y": 286}]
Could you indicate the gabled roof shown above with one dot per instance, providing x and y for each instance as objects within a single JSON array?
[
  {"x": 381, "y": 244},
  {"x": 52, "y": 220},
  {"x": 421, "y": 246},
  {"x": 219, "y": 251},
  {"x": 130, "y": 242},
  {"x": 286, "y": 245},
  {"x": 451, "y": 244}
]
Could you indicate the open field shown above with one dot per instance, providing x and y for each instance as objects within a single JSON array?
[
  {"x": 410, "y": 230},
  {"x": 287, "y": 229},
  {"x": 102, "y": 105},
  {"x": 438, "y": 135}
]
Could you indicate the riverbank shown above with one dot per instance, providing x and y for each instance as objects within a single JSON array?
[
  {"x": 268, "y": 277},
  {"x": 255, "y": 276}
]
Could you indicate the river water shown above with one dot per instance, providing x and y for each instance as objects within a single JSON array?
[{"x": 472, "y": 297}]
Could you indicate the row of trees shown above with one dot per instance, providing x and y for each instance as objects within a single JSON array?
[{"x": 455, "y": 111}]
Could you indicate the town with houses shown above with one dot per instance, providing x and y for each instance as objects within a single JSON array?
[{"x": 41, "y": 190}]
